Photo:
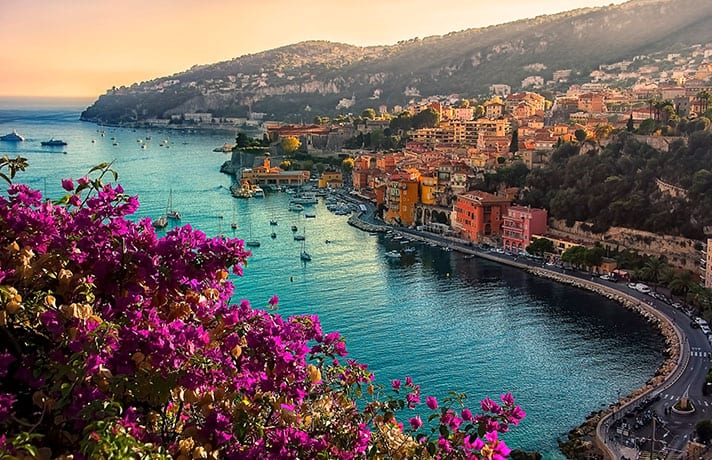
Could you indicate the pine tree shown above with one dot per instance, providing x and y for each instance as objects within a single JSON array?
[{"x": 514, "y": 145}]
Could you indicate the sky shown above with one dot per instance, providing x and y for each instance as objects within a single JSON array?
[{"x": 81, "y": 48}]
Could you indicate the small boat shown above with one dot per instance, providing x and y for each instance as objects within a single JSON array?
[
  {"x": 257, "y": 192},
  {"x": 252, "y": 243},
  {"x": 233, "y": 225},
  {"x": 304, "y": 198},
  {"x": 170, "y": 212},
  {"x": 393, "y": 254},
  {"x": 12, "y": 137},
  {"x": 409, "y": 250},
  {"x": 298, "y": 237},
  {"x": 273, "y": 235},
  {"x": 305, "y": 256},
  {"x": 53, "y": 143},
  {"x": 294, "y": 228},
  {"x": 469, "y": 256},
  {"x": 310, "y": 215},
  {"x": 273, "y": 221},
  {"x": 161, "y": 222},
  {"x": 296, "y": 207}
]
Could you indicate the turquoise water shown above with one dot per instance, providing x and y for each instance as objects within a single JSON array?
[{"x": 460, "y": 325}]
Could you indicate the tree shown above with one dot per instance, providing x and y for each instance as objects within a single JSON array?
[
  {"x": 514, "y": 144},
  {"x": 629, "y": 125},
  {"x": 348, "y": 164},
  {"x": 647, "y": 127},
  {"x": 541, "y": 246},
  {"x": 428, "y": 118},
  {"x": 704, "y": 431},
  {"x": 580, "y": 135},
  {"x": 290, "y": 144},
  {"x": 652, "y": 271},
  {"x": 369, "y": 114}
]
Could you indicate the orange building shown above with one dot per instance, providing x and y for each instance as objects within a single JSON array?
[
  {"x": 400, "y": 200},
  {"x": 479, "y": 214}
]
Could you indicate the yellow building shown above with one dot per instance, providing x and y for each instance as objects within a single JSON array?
[
  {"x": 428, "y": 187},
  {"x": 401, "y": 199},
  {"x": 333, "y": 179}
]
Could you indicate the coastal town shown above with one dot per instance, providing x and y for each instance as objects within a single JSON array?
[{"x": 428, "y": 188}]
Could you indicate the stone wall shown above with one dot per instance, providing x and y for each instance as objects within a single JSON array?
[{"x": 679, "y": 252}]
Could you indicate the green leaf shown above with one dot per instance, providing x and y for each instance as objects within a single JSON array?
[
  {"x": 444, "y": 432},
  {"x": 99, "y": 167},
  {"x": 431, "y": 448}
]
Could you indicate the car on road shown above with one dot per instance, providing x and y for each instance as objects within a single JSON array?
[{"x": 606, "y": 277}]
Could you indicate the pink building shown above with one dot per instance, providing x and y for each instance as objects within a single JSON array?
[{"x": 518, "y": 226}]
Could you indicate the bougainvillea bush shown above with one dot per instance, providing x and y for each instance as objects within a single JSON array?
[{"x": 115, "y": 343}]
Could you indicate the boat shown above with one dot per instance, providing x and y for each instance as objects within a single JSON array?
[
  {"x": 273, "y": 221},
  {"x": 54, "y": 143},
  {"x": 240, "y": 191},
  {"x": 304, "y": 255},
  {"x": 273, "y": 235},
  {"x": 298, "y": 237},
  {"x": 303, "y": 198},
  {"x": 12, "y": 137},
  {"x": 310, "y": 215},
  {"x": 233, "y": 225},
  {"x": 294, "y": 228},
  {"x": 161, "y": 222},
  {"x": 469, "y": 256},
  {"x": 410, "y": 250},
  {"x": 257, "y": 192},
  {"x": 393, "y": 254},
  {"x": 296, "y": 207},
  {"x": 252, "y": 243},
  {"x": 170, "y": 212}
]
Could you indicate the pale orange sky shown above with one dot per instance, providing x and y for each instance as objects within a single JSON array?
[{"x": 80, "y": 48}]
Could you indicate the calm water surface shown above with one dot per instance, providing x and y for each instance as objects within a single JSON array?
[{"x": 454, "y": 325}]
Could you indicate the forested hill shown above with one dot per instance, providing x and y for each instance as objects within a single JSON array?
[
  {"x": 296, "y": 82},
  {"x": 616, "y": 186}
]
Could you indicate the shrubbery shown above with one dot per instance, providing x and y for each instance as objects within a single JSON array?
[{"x": 115, "y": 343}]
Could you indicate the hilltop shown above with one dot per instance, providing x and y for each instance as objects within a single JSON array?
[{"x": 296, "y": 82}]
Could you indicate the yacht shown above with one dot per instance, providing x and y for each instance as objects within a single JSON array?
[
  {"x": 53, "y": 143},
  {"x": 393, "y": 254},
  {"x": 160, "y": 222},
  {"x": 12, "y": 137},
  {"x": 296, "y": 207},
  {"x": 257, "y": 192}
]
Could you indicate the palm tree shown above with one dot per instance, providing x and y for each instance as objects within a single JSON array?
[
  {"x": 652, "y": 271},
  {"x": 682, "y": 282}
]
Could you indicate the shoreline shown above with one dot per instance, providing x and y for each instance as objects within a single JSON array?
[{"x": 588, "y": 433}]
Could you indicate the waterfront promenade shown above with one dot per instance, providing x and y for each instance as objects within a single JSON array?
[{"x": 626, "y": 428}]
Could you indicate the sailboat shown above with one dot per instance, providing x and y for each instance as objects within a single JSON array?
[
  {"x": 170, "y": 212},
  {"x": 305, "y": 256},
  {"x": 233, "y": 225},
  {"x": 252, "y": 243}
]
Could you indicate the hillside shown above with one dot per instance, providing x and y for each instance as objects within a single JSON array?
[{"x": 298, "y": 81}]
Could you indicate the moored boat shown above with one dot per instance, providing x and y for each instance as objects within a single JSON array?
[{"x": 160, "y": 222}]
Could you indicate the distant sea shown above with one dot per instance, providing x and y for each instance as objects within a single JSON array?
[{"x": 453, "y": 324}]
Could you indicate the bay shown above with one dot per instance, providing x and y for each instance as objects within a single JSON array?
[{"x": 453, "y": 324}]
